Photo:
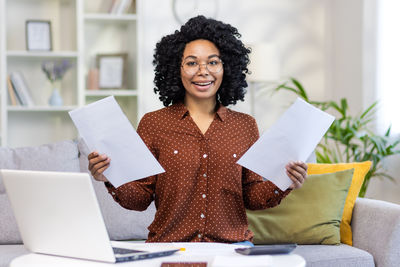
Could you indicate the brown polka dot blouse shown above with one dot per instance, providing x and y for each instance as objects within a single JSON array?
[{"x": 203, "y": 194}]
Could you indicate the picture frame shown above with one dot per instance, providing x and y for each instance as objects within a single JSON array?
[
  {"x": 38, "y": 35},
  {"x": 112, "y": 70}
]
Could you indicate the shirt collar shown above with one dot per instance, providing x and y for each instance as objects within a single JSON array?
[
  {"x": 221, "y": 112},
  {"x": 181, "y": 111}
]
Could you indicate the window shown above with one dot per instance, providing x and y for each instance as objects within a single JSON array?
[{"x": 388, "y": 64}]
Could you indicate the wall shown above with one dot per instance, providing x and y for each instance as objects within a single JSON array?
[
  {"x": 385, "y": 189},
  {"x": 345, "y": 52},
  {"x": 296, "y": 27},
  {"x": 326, "y": 44}
]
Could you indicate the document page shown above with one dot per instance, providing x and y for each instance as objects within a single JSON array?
[
  {"x": 105, "y": 128},
  {"x": 292, "y": 138}
]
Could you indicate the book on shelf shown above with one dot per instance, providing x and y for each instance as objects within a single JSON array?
[
  {"x": 14, "y": 101},
  {"x": 21, "y": 89},
  {"x": 119, "y": 7}
]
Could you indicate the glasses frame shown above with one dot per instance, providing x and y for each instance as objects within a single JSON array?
[{"x": 199, "y": 65}]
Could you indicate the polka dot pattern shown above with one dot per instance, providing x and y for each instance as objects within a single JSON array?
[{"x": 204, "y": 194}]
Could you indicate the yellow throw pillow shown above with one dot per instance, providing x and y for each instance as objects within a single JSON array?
[{"x": 360, "y": 170}]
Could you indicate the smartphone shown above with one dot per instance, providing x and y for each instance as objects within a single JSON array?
[{"x": 267, "y": 249}]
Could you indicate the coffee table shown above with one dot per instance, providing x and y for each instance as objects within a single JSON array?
[{"x": 215, "y": 254}]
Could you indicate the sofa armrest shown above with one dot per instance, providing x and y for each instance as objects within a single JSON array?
[{"x": 376, "y": 229}]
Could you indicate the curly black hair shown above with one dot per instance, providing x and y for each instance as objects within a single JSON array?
[{"x": 169, "y": 52}]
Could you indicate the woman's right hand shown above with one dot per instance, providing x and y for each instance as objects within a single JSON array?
[{"x": 97, "y": 165}]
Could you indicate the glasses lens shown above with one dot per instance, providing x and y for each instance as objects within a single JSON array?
[
  {"x": 191, "y": 66},
  {"x": 214, "y": 65}
]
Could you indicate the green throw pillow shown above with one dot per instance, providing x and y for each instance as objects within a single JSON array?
[{"x": 308, "y": 215}]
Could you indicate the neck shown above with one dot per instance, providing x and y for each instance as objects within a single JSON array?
[{"x": 204, "y": 107}]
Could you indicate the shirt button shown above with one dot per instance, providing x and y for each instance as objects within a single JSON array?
[
  {"x": 205, "y": 156},
  {"x": 204, "y": 175},
  {"x": 202, "y": 216},
  {"x": 204, "y": 195},
  {"x": 199, "y": 235},
  {"x": 176, "y": 152},
  {"x": 276, "y": 192},
  {"x": 234, "y": 155}
]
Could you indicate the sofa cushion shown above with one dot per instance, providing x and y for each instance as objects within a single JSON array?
[
  {"x": 308, "y": 215},
  {"x": 333, "y": 256},
  {"x": 61, "y": 156},
  {"x": 360, "y": 170},
  {"x": 122, "y": 224},
  {"x": 9, "y": 252}
]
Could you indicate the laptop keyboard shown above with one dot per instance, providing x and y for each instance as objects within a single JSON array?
[
  {"x": 123, "y": 251},
  {"x": 122, "y": 254}
]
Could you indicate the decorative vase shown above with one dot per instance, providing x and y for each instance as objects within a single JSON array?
[{"x": 55, "y": 97}]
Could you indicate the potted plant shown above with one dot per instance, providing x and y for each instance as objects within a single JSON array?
[{"x": 350, "y": 138}]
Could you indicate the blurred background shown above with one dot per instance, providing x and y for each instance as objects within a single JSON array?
[{"x": 57, "y": 55}]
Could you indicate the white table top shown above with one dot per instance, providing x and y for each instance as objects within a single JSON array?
[{"x": 215, "y": 254}]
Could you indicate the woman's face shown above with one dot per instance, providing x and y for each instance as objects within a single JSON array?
[{"x": 201, "y": 70}]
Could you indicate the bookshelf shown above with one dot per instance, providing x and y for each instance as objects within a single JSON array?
[
  {"x": 81, "y": 30},
  {"x": 3, "y": 72},
  {"x": 27, "y": 54}
]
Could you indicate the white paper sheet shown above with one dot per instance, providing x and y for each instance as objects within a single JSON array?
[
  {"x": 105, "y": 128},
  {"x": 293, "y": 137}
]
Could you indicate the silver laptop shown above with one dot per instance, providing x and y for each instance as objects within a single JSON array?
[{"x": 58, "y": 214}]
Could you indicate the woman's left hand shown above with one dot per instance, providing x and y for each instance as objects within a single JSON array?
[{"x": 297, "y": 172}]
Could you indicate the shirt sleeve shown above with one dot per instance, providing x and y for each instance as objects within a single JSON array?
[
  {"x": 257, "y": 193},
  {"x": 137, "y": 195}
]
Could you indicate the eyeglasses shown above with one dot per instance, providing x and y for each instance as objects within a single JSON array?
[{"x": 191, "y": 66}]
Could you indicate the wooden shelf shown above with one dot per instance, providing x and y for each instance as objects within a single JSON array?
[
  {"x": 116, "y": 92},
  {"x": 40, "y": 108},
  {"x": 40, "y": 54},
  {"x": 96, "y": 17}
]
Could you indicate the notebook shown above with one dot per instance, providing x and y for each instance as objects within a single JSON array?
[{"x": 57, "y": 213}]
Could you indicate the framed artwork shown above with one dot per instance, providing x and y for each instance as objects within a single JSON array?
[
  {"x": 112, "y": 70},
  {"x": 38, "y": 35}
]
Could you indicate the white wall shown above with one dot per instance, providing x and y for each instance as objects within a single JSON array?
[
  {"x": 325, "y": 44},
  {"x": 385, "y": 189},
  {"x": 296, "y": 27},
  {"x": 345, "y": 53}
]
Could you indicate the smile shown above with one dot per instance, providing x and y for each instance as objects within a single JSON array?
[{"x": 203, "y": 83}]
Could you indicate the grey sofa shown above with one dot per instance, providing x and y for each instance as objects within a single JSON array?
[{"x": 376, "y": 224}]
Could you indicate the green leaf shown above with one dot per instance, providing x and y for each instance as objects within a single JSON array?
[
  {"x": 322, "y": 158},
  {"x": 336, "y": 107},
  {"x": 291, "y": 89},
  {"x": 302, "y": 92},
  {"x": 280, "y": 86},
  {"x": 368, "y": 109},
  {"x": 344, "y": 107},
  {"x": 388, "y": 131}
]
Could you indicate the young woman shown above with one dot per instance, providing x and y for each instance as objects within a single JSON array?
[{"x": 203, "y": 194}]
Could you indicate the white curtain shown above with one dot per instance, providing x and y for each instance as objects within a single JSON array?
[{"x": 388, "y": 64}]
